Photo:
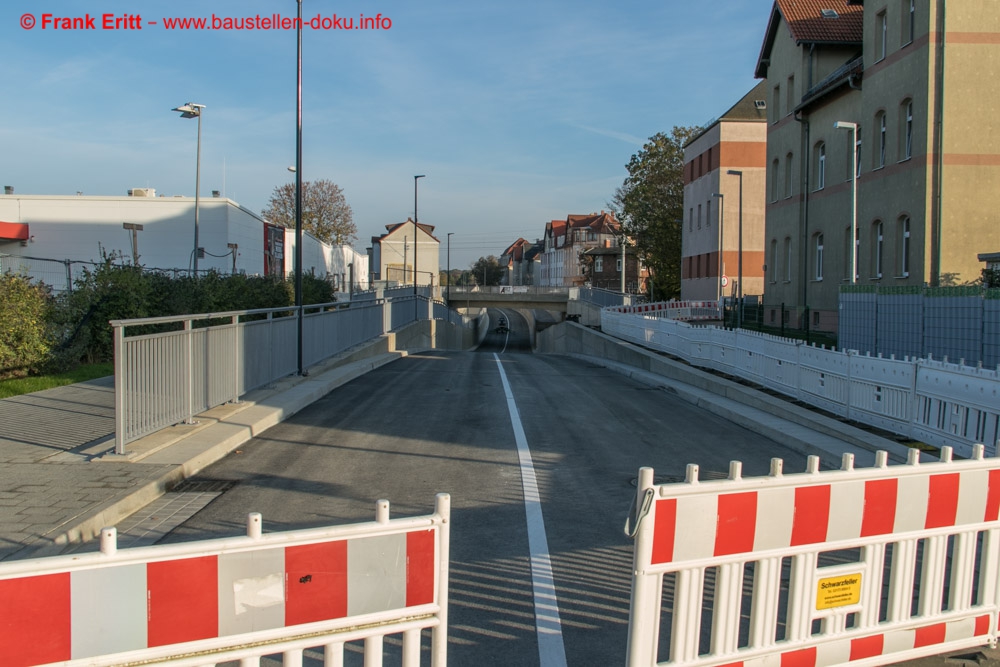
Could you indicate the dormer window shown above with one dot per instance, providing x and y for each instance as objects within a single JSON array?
[{"x": 830, "y": 13}]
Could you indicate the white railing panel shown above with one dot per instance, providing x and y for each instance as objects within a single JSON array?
[{"x": 935, "y": 402}]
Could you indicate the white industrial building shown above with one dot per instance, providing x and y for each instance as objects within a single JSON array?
[{"x": 52, "y": 238}]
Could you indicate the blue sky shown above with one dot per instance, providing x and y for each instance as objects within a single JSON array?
[{"x": 517, "y": 112}]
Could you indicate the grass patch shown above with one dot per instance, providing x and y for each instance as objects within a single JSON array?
[{"x": 18, "y": 386}]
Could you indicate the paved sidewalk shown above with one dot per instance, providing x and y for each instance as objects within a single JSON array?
[{"x": 60, "y": 481}]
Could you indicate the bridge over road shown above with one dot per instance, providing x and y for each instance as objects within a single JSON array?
[{"x": 505, "y": 296}]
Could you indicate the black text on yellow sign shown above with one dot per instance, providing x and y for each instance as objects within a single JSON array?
[{"x": 838, "y": 591}]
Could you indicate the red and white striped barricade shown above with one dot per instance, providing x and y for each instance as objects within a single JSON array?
[
  {"x": 858, "y": 567},
  {"x": 204, "y": 603}
]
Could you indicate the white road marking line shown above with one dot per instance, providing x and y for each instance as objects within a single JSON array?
[{"x": 548, "y": 627}]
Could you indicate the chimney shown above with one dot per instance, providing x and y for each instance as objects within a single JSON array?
[{"x": 8, "y": 189}]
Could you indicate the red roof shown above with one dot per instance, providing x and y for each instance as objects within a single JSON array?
[{"x": 807, "y": 24}]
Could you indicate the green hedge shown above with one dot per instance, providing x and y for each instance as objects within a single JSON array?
[{"x": 39, "y": 331}]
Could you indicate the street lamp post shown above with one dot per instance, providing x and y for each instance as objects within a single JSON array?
[
  {"x": 722, "y": 240},
  {"x": 192, "y": 110},
  {"x": 416, "y": 233},
  {"x": 853, "y": 127},
  {"x": 298, "y": 187},
  {"x": 449, "y": 266},
  {"x": 739, "y": 257}
]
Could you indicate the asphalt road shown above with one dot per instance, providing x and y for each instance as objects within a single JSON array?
[{"x": 439, "y": 421}]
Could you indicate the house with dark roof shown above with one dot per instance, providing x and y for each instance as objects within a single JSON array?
[{"x": 724, "y": 213}]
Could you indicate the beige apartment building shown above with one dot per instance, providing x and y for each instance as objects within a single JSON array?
[
  {"x": 713, "y": 209},
  {"x": 892, "y": 102}
]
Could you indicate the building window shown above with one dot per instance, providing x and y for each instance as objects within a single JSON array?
[
  {"x": 774, "y": 261},
  {"x": 788, "y": 176},
  {"x": 708, "y": 213},
  {"x": 818, "y": 256},
  {"x": 775, "y": 102},
  {"x": 788, "y": 259},
  {"x": 880, "y": 136},
  {"x": 820, "y": 166},
  {"x": 877, "y": 248},
  {"x": 857, "y": 154},
  {"x": 691, "y": 219},
  {"x": 904, "y": 251},
  {"x": 906, "y": 121},
  {"x": 847, "y": 254},
  {"x": 791, "y": 93},
  {"x": 598, "y": 265},
  {"x": 881, "y": 33},
  {"x": 908, "y": 22},
  {"x": 699, "y": 216},
  {"x": 774, "y": 180}
]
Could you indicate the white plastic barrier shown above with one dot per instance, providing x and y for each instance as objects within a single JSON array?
[
  {"x": 930, "y": 401},
  {"x": 858, "y": 567},
  {"x": 205, "y": 603}
]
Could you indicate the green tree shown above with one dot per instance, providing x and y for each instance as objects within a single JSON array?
[
  {"x": 325, "y": 212},
  {"x": 650, "y": 206},
  {"x": 486, "y": 271}
]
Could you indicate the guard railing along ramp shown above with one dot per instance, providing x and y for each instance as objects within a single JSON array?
[{"x": 859, "y": 567}]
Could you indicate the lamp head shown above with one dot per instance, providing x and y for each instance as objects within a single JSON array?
[
  {"x": 845, "y": 125},
  {"x": 734, "y": 172},
  {"x": 718, "y": 194},
  {"x": 189, "y": 110}
]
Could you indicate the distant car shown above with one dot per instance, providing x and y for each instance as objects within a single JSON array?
[{"x": 502, "y": 326}]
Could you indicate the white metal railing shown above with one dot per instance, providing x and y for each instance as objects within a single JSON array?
[
  {"x": 935, "y": 402},
  {"x": 206, "y": 603},
  {"x": 508, "y": 289},
  {"x": 677, "y": 310},
  {"x": 864, "y": 567}
]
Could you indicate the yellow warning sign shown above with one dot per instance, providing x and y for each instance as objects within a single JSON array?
[{"x": 838, "y": 591}]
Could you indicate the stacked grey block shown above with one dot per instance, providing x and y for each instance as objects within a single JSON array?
[{"x": 960, "y": 323}]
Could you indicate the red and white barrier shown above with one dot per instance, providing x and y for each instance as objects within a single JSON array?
[
  {"x": 157, "y": 603},
  {"x": 674, "y": 310},
  {"x": 742, "y": 546}
]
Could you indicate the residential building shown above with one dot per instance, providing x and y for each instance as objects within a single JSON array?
[
  {"x": 724, "y": 212},
  {"x": 561, "y": 263},
  {"x": 393, "y": 254},
  {"x": 603, "y": 268},
  {"x": 520, "y": 261},
  {"x": 54, "y": 237},
  {"x": 909, "y": 76}
]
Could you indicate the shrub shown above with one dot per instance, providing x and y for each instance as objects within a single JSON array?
[{"x": 25, "y": 333}]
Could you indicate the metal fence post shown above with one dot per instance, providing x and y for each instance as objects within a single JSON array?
[
  {"x": 644, "y": 609},
  {"x": 119, "y": 388},
  {"x": 189, "y": 337},
  {"x": 237, "y": 355}
]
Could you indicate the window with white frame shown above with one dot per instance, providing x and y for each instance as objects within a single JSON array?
[
  {"x": 909, "y": 15},
  {"x": 906, "y": 118},
  {"x": 904, "y": 250},
  {"x": 857, "y": 153},
  {"x": 788, "y": 259},
  {"x": 598, "y": 265},
  {"x": 820, "y": 166},
  {"x": 774, "y": 261},
  {"x": 818, "y": 256},
  {"x": 881, "y": 34},
  {"x": 774, "y": 180},
  {"x": 878, "y": 248},
  {"x": 880, "y": 139},
  {"x": 788, "y": 175}
]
